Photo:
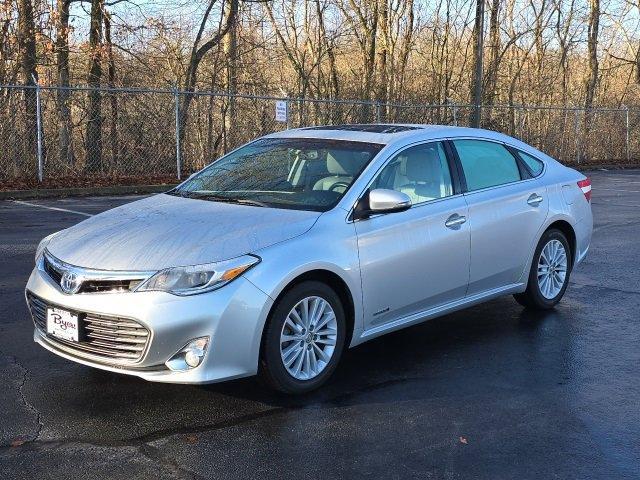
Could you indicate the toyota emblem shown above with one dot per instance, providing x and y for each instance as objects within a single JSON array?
[{"x": 70, "y": 282}]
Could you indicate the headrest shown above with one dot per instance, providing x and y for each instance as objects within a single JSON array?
[
  {"x": 343, "y": 162},
  {"x": 422, "y": 164}
]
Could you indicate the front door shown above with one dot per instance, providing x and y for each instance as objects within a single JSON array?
[{"x": 417, "y": 259}]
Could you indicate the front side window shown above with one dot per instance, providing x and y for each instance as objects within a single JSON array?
[
  {"x": 422, "y": 172},
  {"x": 535, "y": 165},
  {"x": 294, "y": 173},
  {"x": 486, "y": 164}
]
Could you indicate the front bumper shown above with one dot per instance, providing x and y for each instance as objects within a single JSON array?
[{"x": 233, "y": 317}]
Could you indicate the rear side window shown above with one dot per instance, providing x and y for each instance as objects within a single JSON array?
[
  {"x": 486, "y": 164},
  {"x": 534, "y": 164}
]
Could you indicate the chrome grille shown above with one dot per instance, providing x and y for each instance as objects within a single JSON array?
[
  {"x": 91, "y": 280},
  {"x": 104, "y": 338},
  {"x": 52, "y": 271}
]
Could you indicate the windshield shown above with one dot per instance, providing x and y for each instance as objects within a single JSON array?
[{"x": 295, "y": 173}]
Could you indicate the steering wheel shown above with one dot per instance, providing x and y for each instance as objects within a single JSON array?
[{"x": 336, "y": 185}]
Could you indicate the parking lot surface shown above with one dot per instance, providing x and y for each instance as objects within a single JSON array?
[{"x": 491, "y": 392}]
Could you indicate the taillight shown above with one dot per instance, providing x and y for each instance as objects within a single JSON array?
[{"x": 585, "y": 186}]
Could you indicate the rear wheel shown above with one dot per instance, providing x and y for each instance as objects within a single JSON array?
[
  {"x": 549, "y": 274},
  {"x": 303, "y": 339}
]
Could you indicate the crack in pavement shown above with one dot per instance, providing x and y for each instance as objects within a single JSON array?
[
  {"x": 144, "y": 440},
  {"x": 37, "y": 444},
  {"x": 154, "y": 454},
  {"x": 603, "y": 287},
  {"x": 25, "y": 375}
]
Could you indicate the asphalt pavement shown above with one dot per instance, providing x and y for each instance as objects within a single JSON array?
[{"x": 491, "y": 392}]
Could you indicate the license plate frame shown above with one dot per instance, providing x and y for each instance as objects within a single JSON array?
[{"x": 63, "y": 324}]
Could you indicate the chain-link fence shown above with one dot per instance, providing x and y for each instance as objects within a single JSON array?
[{"x": 53, "y": 137}]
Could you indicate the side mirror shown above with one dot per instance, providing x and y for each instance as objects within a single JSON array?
[{"x": 381, "y": 200}]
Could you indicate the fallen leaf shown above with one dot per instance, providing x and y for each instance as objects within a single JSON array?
[
  {"x": 463, "y": 440},
  {"x": 17, "y": 443},
  {"x": 191, "y": 439}
]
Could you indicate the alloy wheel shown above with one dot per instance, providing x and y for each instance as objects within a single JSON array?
[
  {"x": 308, "y": 338},
  {"x": 552, "y": 269}
]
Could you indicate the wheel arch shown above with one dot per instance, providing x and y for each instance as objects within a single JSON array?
[
  {"x": 561, "y": 223},
  {"x": 333, "y": 280},
  {"x": 569, "y": 232}
]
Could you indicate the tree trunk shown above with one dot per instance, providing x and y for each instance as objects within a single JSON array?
[
  {"x": 27, "y": 56},
  {"x": 592, "y": 47},
  {"x": 383, "y": 52},
  {"x": 65, "y": 148},
  {"x": 230, "y": 49},
  {"x": 94, "y": 122},
  {"x": 592, "y": 79},
  {"x": 113, "y": 97},
  {"x": 476, "y": 84},
  {"x": 494, "y": 53}
]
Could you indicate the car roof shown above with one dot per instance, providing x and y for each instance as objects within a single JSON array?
[{"x": 386, "y": 133}]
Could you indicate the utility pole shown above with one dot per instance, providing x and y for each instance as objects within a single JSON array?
[{"x": 478, "y": 48}]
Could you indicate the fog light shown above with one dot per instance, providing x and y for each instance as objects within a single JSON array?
[
  {"x": 193, "y": 357},
  {"x": 190, "y": 356}
]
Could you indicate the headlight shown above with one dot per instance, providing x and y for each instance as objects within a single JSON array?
[
  {"x": 195, "y": 279},
  {"x": 43, "y": 244}
]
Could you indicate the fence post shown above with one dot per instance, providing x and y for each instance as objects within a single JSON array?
[
  {"x": 378, "y": 111},
  {"x": 286, "y": 102},
  {"x": 454, "y": 110},
  {"x": 522, "y": 113},
  {"x": 39, "y": 129},
  {"x": 176, "y": 98},
  {"x": 626, "y": 108},
  {"x": 577, "y": 134}
]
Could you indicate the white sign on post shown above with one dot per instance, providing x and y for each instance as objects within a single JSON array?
[{"x": 281, "y": 111}]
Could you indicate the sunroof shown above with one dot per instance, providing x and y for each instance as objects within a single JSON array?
[{"x": 371, "y": 128}]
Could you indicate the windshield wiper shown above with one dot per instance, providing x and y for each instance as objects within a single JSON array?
[
  {"x": 246, "y": 201},
  {"x": 223, "y": 199}
]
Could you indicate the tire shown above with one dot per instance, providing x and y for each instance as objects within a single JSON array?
[
  {"x": 311, "y": 342},
  {"x": 545, "y": 294}
]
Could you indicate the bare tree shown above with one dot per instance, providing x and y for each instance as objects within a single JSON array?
[
  {"x": 198, "y": 50},
  {"x": 362, "y": 18},
  {"x": 93, "y": 143},
  {"x": 28, "y": 62},
  {"x": 65, "y": 148},
  {"x": 478, "y": 53},
  {"x": 113, "y": 98},
  {"x": 592, "y": 46},
  {"x": 230, "y": 49}
]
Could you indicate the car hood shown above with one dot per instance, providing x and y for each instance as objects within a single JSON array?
[{"x": 166, "y": 231}]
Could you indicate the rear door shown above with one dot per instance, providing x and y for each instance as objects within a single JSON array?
[{"x": 507, "y": 208}]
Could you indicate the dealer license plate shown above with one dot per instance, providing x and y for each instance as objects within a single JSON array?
[{"x": 62, "y": 324}]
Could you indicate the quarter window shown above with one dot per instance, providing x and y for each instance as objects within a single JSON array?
[
  {"x": 421, "y": 172},
  {"x": 534, "y": 164},
  {"x": 486, "y": 164}
]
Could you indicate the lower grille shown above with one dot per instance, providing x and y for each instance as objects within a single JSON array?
[{"x": 103, "y": 338}]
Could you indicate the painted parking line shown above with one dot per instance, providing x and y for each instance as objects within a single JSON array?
[{"x": 52, "y": 208}]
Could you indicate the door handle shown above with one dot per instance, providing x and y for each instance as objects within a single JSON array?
[
  {"x": 454, "y": 221},
  {"x": 534, "y": 200}
]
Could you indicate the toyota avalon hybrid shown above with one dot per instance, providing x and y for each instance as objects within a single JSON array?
[{"x": 279, "y": 255}]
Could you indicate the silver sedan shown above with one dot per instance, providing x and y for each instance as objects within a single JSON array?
[{"x": 279, "y": 255}]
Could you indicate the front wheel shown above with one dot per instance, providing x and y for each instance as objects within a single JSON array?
[
  {"x": 303, "y": 338},
  {"x": 549, "y": 274}
]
